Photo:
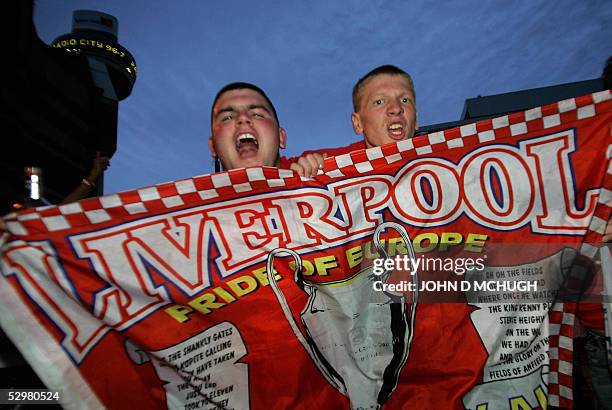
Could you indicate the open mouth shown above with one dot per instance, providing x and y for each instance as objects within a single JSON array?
[
  {"x": 246, "y": 143},
  {"x": 396, "y": 130}
]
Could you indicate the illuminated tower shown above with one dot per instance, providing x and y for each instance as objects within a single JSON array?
[
  {"x": 59, "y": 106},
  {"x": 94, "y": 35}
]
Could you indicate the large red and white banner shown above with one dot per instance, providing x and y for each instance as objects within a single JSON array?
[{"x": 161, "y": 297}]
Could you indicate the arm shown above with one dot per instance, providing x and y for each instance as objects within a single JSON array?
[{"x": 89, "y": 182}]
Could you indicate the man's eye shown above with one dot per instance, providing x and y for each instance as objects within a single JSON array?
[
  {"x": 226, "y": 118},
  {"x": 380, "y": 101},
  {"x": 257, "y": 115},
  {"x": 405, "y": 100}
]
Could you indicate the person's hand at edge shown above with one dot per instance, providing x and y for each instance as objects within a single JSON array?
[{"x": 309, "y": 165}]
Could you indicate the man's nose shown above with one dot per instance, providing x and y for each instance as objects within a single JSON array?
[
  {"x": 243, "y": 118},
  {"x": 395, "y": 108}
]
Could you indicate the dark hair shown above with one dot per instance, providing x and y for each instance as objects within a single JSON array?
[
  {"x": 383, "y": 69},
  {"x": 241, "y": 86}
]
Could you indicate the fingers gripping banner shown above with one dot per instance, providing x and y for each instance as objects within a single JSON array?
[{"x": 181, "y": 296}]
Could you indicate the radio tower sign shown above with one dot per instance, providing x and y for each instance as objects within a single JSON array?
[{"x": 94, "y": 34}]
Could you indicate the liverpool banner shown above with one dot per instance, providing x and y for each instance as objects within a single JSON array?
[{"x": 445, "y": 271}]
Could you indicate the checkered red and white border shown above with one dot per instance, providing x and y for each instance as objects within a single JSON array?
[
  {"x": 171, "y": 195},
  {"x": 561, "y": 347},
  {"x": 207, "y": 188},
  {"x": 516, "y": 124}
]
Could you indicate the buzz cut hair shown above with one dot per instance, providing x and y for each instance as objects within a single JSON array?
[
  {"x": 383, "y": 69},
  {"x": 242, "y": 86}
]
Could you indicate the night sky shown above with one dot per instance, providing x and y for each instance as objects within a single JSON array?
[{"x": 308, "y": 55}]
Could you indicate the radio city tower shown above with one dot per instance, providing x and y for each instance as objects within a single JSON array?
[{"x": 61, "y": 105}]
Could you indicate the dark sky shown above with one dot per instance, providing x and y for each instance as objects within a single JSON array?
[{"x": 308, "y": 54}]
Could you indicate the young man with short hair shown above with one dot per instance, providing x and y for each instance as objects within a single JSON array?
[
  {"x": 384, "y": 104},
  {"x": 245, "y": 128}
]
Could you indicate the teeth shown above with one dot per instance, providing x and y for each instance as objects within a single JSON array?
[
  {"x": 395, "y": 126},
  {"x": 246, "y": 138}
]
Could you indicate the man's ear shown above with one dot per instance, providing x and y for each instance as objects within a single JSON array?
[
  {"x": 282, "y": 138},
  {"x": 211, "y": 147},
  {"x": 356, "y": 120}
]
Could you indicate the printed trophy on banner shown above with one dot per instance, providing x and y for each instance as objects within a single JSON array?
[{"x": 358, "y": 337}]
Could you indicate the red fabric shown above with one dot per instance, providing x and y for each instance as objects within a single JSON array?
[
  {"x": 591, "y": 315},
  {"x": 158, "y": 297}
]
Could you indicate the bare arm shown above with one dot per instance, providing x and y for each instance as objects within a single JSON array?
[{"x": 99, "y": 164}]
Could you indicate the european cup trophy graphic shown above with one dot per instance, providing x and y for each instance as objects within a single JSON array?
[{"x": 358, "y": 337}]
